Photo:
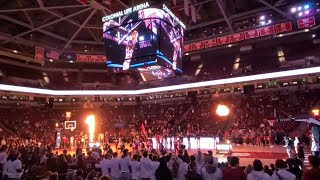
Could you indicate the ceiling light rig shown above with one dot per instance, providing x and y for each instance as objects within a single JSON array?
[
  {"x": 301, "y": 10},
  {"x": 263, "y": 20}
]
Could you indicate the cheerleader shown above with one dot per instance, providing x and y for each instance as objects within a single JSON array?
[
  {"x": 176, "y": 144},
  {"x": 171, "y": 141},
  {"x": 157, "y": 140},
  {"x": 116, "y": 141},
  {"x": 122, "y": 145}
]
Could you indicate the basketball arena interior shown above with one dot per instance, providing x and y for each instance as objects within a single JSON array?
[{"x": 159, "y": 89}]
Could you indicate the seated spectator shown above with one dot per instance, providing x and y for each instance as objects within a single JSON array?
[
  {"x": 281, "y": 173},
  {"x": 314, "y": 172},
  {"x": 257, "y": 173},
  {"x": 234, "y": 172}
]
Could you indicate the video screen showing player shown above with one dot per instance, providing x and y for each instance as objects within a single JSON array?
[{"x": 147, "y": 32}]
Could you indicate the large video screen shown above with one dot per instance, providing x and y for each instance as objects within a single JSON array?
[{"x": 143, "y": 38}]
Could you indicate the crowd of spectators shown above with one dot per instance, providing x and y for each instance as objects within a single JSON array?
[
  {"x": 250, "y": 119},
  {"x": 42, "y": 162},
  {"x": 32, "y": 129}
]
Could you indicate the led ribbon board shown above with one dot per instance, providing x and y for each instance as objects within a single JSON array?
[{"x": 281, "y": 74}]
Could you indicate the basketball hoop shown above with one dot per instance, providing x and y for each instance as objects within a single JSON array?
[{"x": 70, "y": 125}]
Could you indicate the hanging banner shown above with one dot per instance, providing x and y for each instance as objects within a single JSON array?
[
  {"x": 283, "y": 27},
  {"x": 186, "y": 7},
  {"x": 268, "y": 30},
  {"x": 254, "y": 33},
  {"x": 223, "y": 40},
  {"x": 193, "y": 14},
  {"x": 306, "y": 22},
  {"x": 210, "y": 43},
  {"x": 187, "y": 48},
  {"x": 39, "y": 53},
  {"x": 198, "y": 45},
  {"x": 237, "y": 37},
  {"x": 52, "y": 54}
]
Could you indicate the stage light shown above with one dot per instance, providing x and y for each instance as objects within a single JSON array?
[
  {"x": 307, "y": 6},
  {"x": 306, "y": 30},
  {"x": 293, "y": 10},
  {"x": 262, "y": 22},
  {"x": 222, "y": 110},
  {"x": 141, "y": 38},
  {"x": 269, "y": 21},
  {"x": 57, "y": 124},
  {"x": 15, "y": 51},
  {"x": 70, "y": 61},
  {"x": 315, "y": 112},
  {"x": 262, "y": 18},
  {"x": 299, "y": 8},
  {"x": 228, "y": 141},
  {"x": 307, "y": 12},
  {"x": 280, "y": 35},
  {"x": 51, "y": 60},
  {"x": 91, "y": 123},
  {"x": 313, "y": 35},
  {"x": 300, "y": 14},
  {"x": 68, "y": 114},
  {"x": 230, "y": 45}
]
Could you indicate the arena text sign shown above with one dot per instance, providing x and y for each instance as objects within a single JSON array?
[{"x": 126, "y": 11}]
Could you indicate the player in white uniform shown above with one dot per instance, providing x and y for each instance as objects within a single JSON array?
[{"x": 132, "y": 40}]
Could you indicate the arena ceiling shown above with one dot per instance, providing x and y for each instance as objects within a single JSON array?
[{"x": 71, "y": 26}]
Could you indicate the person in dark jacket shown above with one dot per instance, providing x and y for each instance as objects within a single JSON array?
[
  {"x": 192, "y": 173},
  {"x": 314, "y": 172},
  {"x": 52, "y": 163},
  {"x": 163, "y": 172},
  {"x": 301, "y": 152},
  {"x": 62, "y": 167},
  {"x": 295, "y": 165}
]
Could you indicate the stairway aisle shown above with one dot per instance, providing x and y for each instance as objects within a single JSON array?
[{"x": 307, "y": 153}]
